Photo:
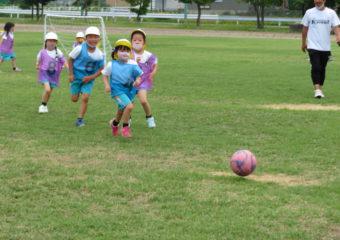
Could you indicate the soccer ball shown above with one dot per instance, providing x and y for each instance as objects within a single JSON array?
[{"x": 243, "y": 162}]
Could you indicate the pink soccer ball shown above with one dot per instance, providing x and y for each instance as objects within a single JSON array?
[{"x": 243, "y": 162}]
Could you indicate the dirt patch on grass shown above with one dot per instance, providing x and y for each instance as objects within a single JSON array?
[
  {"x": 281, "y": 179},
  {"x": 171, "y": 100},
  {"x": 314, "y": 107},
  {"x": 334, "y": 233}
]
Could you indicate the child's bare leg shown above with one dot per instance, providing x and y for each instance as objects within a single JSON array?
[
  {"x": 83, "y": 106},
  {"x": 144, "y": 102},
  {"x": 74, "y": 97},
  {"x": 119, "y": 115},
  {"x": 127, "y": 113},
  {"x": 14, "y": 63},
  {"x": 47, "y": 92}
]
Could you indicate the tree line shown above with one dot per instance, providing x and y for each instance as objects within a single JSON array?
[{"x": 140, "y": 7}]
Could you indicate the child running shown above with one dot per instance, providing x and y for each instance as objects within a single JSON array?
[
  {"x": 80, "y": 38},
  {"x": 86, "y": 63},
  {"x": 149, "y": 64},
  {"x": 6, "y": 46},
  {"x": 50, "y": 62},
  {"x": 125, "y": 75}
]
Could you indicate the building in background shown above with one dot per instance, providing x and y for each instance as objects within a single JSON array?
[
  {"x": 223, "y": 7},
  {"x": 117, "y": 3},
  {"x": 218, "y": 7}
]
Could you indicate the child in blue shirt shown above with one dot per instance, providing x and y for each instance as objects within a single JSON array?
[
  {"x": 86, "y": 63},
  {"x": 125, "y": 75}
]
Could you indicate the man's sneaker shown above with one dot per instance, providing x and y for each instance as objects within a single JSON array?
[
  {"x": 115, "y": 129},
  {"x": 318, "y": 94},
  {"x": 151, "y": 122},
  {"x": 17, "y": 70},
  {"x": 41, "y": 109},
  {"x": 80, "y": 123},
  {"x": 46, "y": 109},
  {"x": 126, "y": 132},
  {"x": 322, "y": 95}
]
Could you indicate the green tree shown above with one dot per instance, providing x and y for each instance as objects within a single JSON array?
[
  {"x": 84, "y": 4},
  {"x": 304, "y": 5},
  {"x": 199, "y": 4},
  {"x": 140, "y": 7},
  {"x": 301, "y": 5},
  {"x": 37, "y": 4},
  {"x": 259, "y": 6}
]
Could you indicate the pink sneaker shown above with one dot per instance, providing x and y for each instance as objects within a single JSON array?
[
  {"x": 115, "y": 129},
  {"x": 126, "y": 132}
]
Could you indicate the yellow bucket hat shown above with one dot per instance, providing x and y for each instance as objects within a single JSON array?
[
  {"x": 122, "y": 42},
  {"x": 141, "y": 32}
]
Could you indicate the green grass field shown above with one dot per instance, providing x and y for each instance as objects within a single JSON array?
[{"x": 174, "y": 182}]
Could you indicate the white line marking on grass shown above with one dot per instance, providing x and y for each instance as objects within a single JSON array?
[
  {"x": 280, "y": 178},
  {"x": 313, "y": 107}
]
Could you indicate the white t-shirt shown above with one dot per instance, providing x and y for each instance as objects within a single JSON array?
[
  {"x": 320, "y": 24},
  {"x": 144, "y": 57},
  {"x": 96, "y": 55},
  {"x": 4, "y": 35},
  {"x": 51, "y": 54},
  {"x": 108, "y": 68}
]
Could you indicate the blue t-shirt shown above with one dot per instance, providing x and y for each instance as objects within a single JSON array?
[
  {"x": 122, "y": 76},
  {"x": 85, "y": 65}
]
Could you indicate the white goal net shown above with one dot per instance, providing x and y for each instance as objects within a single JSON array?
[{"x": 68, "y": 26}]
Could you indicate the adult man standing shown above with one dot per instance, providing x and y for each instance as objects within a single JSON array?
[{"x": 318, "y": 23}]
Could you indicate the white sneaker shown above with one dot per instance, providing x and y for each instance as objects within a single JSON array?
[
  {"x": 318, "y": 94},
  {"x": 151, "y": 122},
  {"x": 41, "y": 109},
  {"x": 46, "y": 109}
]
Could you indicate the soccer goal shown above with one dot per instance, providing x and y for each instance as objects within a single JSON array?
[{"x": 67, "y": 26}]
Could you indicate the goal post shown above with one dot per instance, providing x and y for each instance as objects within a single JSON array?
[{"x": 67, "y": 26}]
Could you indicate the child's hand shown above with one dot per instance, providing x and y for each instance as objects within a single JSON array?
[
  {"x": 138, "y": 59},
  {"x": 86, "y": 79},
  {"x": 152, "y": 76},
  {"x": 107, "y": 88},
  {"x": 136, "y": 83},
  {"x": 71, "y": 78},
  {"x": 37, "y": 67}
]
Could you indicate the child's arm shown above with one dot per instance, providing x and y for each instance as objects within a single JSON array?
[
  {"x": 1, "y": 38},
  {"x": 70, "y": 68},
  {"x": 137, "y": 82},
  {"x": 37, "y": 65},
  {"x": 154, "y": 71},
  {"x": 66, "y": 66},
  {"x": 106, "y": 82},
  {"x": 86, "y": 79}
]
